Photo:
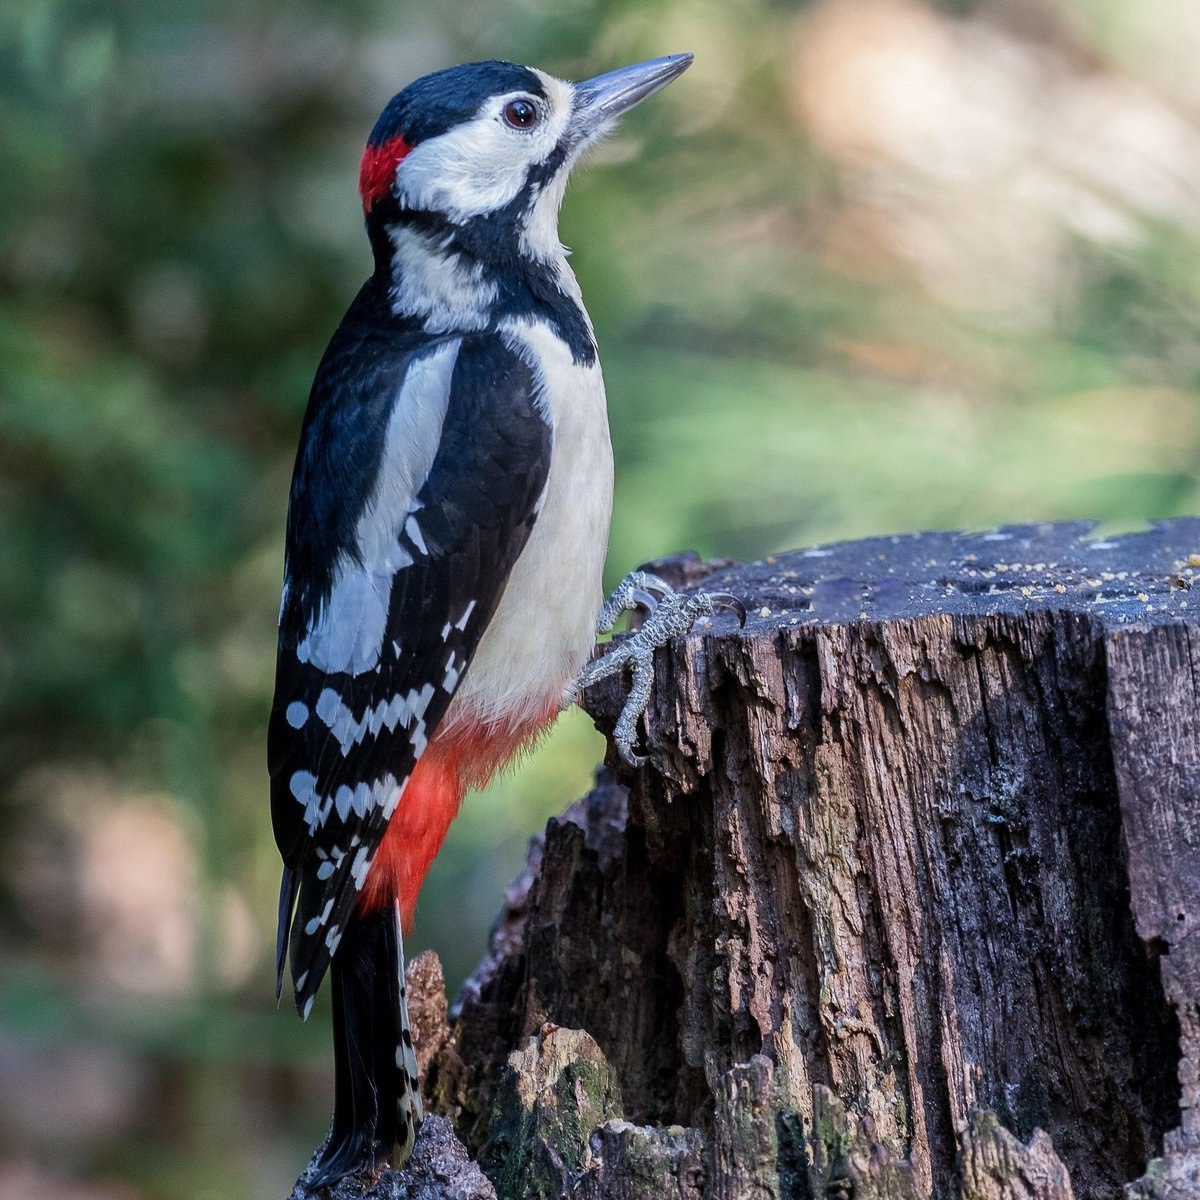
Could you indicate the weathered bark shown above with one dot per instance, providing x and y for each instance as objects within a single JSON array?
[{"x": 903, "y": 905}]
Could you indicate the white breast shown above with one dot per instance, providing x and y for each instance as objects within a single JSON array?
[{"x": 545, "y": 625}]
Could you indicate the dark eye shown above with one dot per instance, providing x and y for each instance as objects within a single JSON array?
[{"x": 520, "y": 114}]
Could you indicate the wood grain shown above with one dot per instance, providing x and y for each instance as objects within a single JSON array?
[{"x": 904, "y": 903}]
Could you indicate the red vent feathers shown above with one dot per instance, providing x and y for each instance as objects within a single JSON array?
[{"x": 378, "y": 168}]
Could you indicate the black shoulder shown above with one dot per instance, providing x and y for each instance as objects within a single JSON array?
[{"x": 495, "y": 430}]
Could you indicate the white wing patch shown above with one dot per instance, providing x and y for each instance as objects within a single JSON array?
[
  {"x": 349, "y": 633},
  {"x": 410, "y": 446}
]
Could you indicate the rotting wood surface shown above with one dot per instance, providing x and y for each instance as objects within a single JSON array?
[{"x": 904, "y": 903}]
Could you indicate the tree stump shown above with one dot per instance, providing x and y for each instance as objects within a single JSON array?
[{"x": 904, "y": 903}]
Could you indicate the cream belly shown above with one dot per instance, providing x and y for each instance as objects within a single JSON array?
[{"x": 545, "y": 625}]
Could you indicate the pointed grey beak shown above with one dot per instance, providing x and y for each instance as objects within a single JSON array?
[{"x": 600, "y": 101}]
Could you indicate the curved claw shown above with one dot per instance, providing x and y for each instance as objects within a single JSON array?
[
  {"x": 644, "y": 599},
  {"x": 639, "y": 589},
  {"x": 731, "y": 602},
  {"x": 630, "y": 757},
  {"x": 649, "y": 582}
]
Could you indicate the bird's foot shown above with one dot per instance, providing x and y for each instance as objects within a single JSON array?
[
  {"x": 639, "y": 589},
  {"x": 670, "y": 614}
]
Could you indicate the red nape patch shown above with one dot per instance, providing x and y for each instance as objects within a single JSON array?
[{"x": 378, "y": 168}]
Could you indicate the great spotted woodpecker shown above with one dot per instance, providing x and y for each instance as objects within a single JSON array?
[{"x": 446, "y": 533}]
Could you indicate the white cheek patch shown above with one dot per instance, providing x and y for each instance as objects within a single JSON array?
[
  {"x": 468, "y": 171},
  {"x": 482, "y": 165}
]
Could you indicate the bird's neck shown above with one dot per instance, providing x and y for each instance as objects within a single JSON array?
[
  {"x": 436, "y": 282},
  {"x": 461, "y": 278}
]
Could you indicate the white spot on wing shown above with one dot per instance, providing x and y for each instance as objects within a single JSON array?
[
  {"x": 339, "y": 718},
  {"x": 297, "y": 714},
  {"x": 398, "y": 710},
  {"x": 420, "y": 700},
  {"x": 393, "y": 712},
  {"x": 303, "y": 786},
  {"x": 393, "y": 798},
  {"x": 461, "y": 623},
  {"x": 363, "y": 799},
  {"x": 321, "y": 814},
  {"x": 360, "y": 867},
  {"x": 418, "y": 739},
  {"x": 414, "y": 532}
]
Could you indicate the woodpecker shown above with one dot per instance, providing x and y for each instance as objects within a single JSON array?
[{"x": 447, "y": 528}]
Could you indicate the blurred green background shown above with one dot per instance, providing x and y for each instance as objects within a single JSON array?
[{"x": 872, "y": 265}]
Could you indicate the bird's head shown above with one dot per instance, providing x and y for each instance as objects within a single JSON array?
[{"x": 480, "y": 154}]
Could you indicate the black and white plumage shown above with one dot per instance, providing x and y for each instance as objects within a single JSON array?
[
  {"x": 447, "y": 529},
  {"x": 376, "y": 638}
]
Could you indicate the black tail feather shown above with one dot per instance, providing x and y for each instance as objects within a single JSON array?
[
  {"x": 287, "y": 901},
  {"x": 377, "y": 1102}
]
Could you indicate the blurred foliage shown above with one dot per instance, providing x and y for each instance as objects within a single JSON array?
[{"x": 872, "y": 265}]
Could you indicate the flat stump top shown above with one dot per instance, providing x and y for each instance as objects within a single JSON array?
[{"x": 1137, "y": 577}]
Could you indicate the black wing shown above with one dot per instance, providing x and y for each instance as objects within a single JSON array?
[{"x": 373, "y": 647}]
